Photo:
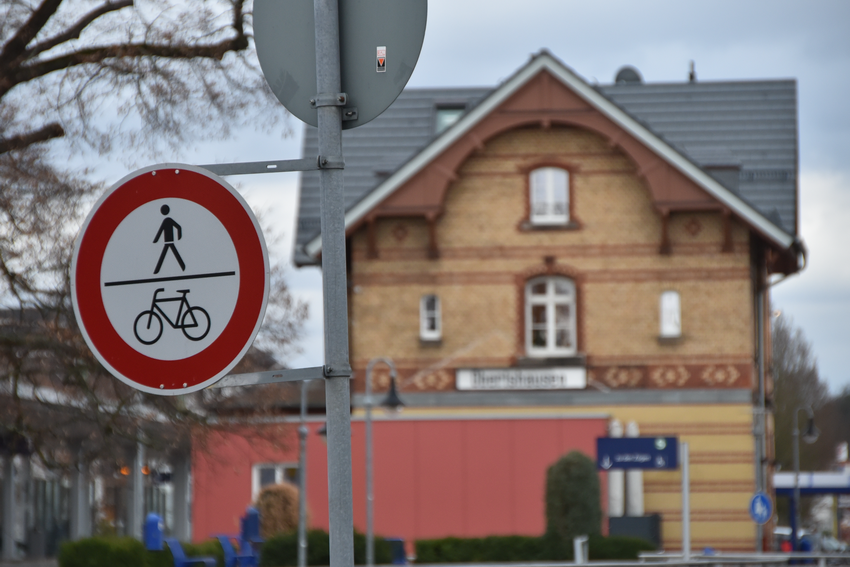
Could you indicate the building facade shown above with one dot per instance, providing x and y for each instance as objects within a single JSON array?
[{"x": 554, "y": 252}]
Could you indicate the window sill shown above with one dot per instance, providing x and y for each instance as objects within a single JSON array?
[
  {"x": 529, "y": 226},
  {"x": 579, "y": 360},
  {"x": 670, "y": 340},
  {"x": 430, "y": 343}
]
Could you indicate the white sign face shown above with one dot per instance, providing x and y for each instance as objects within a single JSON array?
[
  {"x": 170, "y": 279},
  {"x": 160, "y": 313},
  {"x": 521, "y": 378}
]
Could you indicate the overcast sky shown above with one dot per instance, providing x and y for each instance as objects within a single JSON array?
[{"x": 480, "y": 43}]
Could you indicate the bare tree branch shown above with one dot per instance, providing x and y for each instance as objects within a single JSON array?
[
  {"x": 16, "y": 46},
  {"x": 43, "y": 134},
  {"x": 74, "y": 31}
]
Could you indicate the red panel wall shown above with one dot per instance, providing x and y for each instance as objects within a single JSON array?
[{"x": 432, "y": 478}]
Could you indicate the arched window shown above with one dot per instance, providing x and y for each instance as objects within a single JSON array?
[
  {"x": 549, "y": 193},
  {"x": 550, "y": 316}
]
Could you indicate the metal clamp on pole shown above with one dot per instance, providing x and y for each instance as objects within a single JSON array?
[
  {"x": 334, "y": 372},
  {"x": 338, "y": 99},
  {"x": 330, "y": 162}
]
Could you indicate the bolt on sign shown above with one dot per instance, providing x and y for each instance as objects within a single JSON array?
[{"x": 170, "y": 279}]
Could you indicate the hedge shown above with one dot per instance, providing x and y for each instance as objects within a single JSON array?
[
  {"x": 524, "y": 548},
  {"x": 129, "y": 552},
  {"x": 282, "y": 550}
]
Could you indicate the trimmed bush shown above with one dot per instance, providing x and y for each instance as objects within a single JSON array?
[
  {"x": 572, "y": 502},
  {"x": 281, "y": 550},
  {"x": 616, "y": 547},
  {"x": 278, "y": 506},
  {"x": 102, "y": 552},
  {"x": 129, "y": 552},
  {"x": 523, "y": 548},
  {"x": 472, "y": 550}
]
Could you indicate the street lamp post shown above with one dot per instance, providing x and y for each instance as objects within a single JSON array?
[
  {"x": 810, "y": 435},
  {"x": 393, "y": 402}
]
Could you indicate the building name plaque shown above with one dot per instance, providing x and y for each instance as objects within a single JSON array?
[{"x": 521, "y": 378}]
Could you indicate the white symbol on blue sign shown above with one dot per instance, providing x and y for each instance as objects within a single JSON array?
[
  {"x": 606, "y": 462},
  {"x": 761, "y": 508},
  {"x": 660, "y": 462}
]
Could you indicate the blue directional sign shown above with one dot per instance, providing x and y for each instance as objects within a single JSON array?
[
  {"x": 637, "y": 453},
  {"x": 761, "y": 508}
]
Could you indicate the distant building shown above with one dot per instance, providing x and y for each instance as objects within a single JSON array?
[{"x": 541, "y": 260}]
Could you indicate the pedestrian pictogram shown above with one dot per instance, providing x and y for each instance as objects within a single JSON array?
[
  {"x": 170, "y": 279},
  {"x": 166, "y": 231}
]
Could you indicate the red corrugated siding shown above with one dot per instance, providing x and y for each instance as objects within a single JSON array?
[{"x": 432, "y": 478}]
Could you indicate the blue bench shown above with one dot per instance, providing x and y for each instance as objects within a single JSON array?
[
  {"x": 180, "y": 559},
  {"x": 243, "y": 557}
]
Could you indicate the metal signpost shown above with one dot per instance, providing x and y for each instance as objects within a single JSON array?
[
  {"x": 333, "y": 66},
  {"x": 659, "y": 453}
]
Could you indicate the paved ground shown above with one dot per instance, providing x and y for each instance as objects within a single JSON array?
[{"x": 30, "y": 563}]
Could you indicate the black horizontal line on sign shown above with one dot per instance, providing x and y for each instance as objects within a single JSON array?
[{"x": 171, "y": 279}]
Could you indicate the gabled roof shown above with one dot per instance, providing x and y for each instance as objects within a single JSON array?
[{"x": 736, "y": 141}]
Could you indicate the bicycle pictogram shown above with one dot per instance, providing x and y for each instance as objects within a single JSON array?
[{"x": 192, "y": 320}]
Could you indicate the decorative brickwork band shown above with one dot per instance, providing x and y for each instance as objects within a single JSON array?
[{"x": 624, "y": 377}]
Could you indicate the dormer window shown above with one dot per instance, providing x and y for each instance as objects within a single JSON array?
[
  {"x": 549, "y": 196},
  {"x": 446, "y": 116}
]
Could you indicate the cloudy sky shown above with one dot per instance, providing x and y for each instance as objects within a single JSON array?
[{"x": 480, "y": 43}]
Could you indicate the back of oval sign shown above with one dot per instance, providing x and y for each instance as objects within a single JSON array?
[{"x": 380, "y": 42}]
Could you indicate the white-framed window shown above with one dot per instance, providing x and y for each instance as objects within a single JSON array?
[
  {"x": 670, "y": 315},
  {"x": 264, "y": 474},
  {"x": 549, "y": 194},
  {"x": 430, "y": 320},
  {"x": 550, "y": 316}
]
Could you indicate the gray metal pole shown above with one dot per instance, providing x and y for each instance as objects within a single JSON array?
[
  {"x": 795, "y": 528},
  {"x": 686, "y": 501},
  {"x": 337, "y": 366},
  {"x": 137, "y": 496},
  {"x": 180, "y": 480},
  {"x": 302, "y": 480},
  {"x": 370, "y": 494},
  {"x": 9, "y": 546}
]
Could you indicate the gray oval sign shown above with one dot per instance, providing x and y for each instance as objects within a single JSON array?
[{"x": 380, "y": 42}]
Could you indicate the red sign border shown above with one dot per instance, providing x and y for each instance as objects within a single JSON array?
[{"x": 170, "y": 377}]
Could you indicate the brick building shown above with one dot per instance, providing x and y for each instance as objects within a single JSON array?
[{"x": 547, "y": 257}]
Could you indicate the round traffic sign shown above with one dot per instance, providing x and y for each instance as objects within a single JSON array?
[
  {"x": 380, "y": 41},
  {"x": 761, "y": 508},
  {"x": 170, "y": 279}
]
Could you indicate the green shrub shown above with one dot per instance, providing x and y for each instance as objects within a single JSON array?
[
  {"x": 572, "y": 503},
  {"x": 522, "y": 548},
  {"x": 282, "y": 550},
  {"x": 102, "y": 552}
]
